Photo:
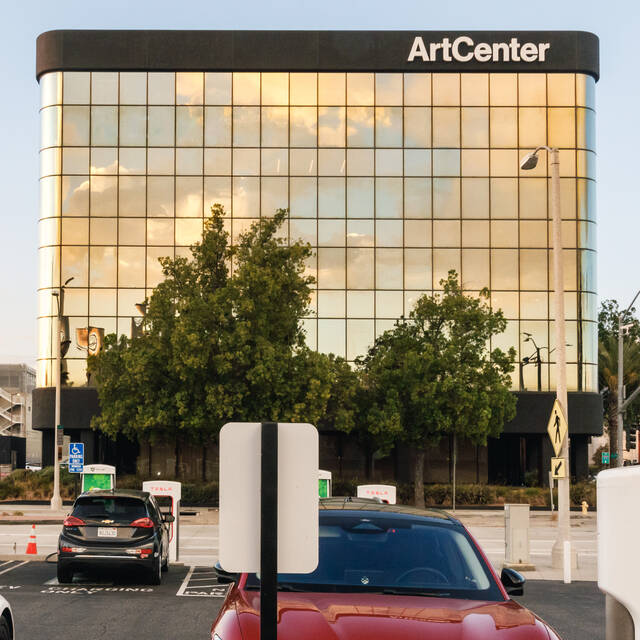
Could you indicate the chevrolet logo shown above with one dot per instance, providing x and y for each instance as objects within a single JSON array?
[{"x": 107, "y": 521}]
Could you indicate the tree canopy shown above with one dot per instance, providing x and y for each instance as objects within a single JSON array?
[
  {"x": 433, "y": 375},
  {"x": 222, "y": 340}
]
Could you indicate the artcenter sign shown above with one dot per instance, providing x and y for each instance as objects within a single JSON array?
[{"x": 465, "y": 49}]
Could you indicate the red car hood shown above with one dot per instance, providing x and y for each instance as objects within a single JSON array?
[{"x": 357, "y": 616}]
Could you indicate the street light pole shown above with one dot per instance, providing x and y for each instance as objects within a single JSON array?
[
  {"x": 621, "y": 401},
  {"x": 56, "y": 499},
  {"x": 564, "y": 525}
]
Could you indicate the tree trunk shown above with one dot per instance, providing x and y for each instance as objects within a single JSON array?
[
  {"x": 455, "y": 456},
  {"x": 418, "y": 478},
  {"x": 176, "y": 469},
  {"x": 204, "y": 463}
]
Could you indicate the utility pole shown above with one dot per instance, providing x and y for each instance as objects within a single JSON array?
[
  {"x": 56, "y": 499},
  {"x": 563, "y": 541}
]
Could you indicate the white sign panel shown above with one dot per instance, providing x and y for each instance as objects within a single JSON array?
[
  {"x": 386, "y": 492},
  {"x": 618, "y": 526},
  {"x": 240, "y": 444}
]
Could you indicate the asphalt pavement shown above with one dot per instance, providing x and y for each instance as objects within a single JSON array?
[{"x": 116, "y": 605}]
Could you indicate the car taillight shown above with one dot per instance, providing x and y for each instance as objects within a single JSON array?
[
  {"x": 143, "y": 523},
  {"x": 72, "y": 521}
]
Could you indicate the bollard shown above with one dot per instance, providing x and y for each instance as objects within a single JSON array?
[
  {"x": 516, "y": 533},
  {"x": 567, "y": 562},
  {"x": 585, "y": 506}
]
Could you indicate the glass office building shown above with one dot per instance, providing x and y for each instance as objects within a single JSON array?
[{"x": 395, "y": 171}]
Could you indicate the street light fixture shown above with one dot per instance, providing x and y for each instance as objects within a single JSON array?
[
  {"x": 622, "y": 403},
  {"x": 530, "y": 161},
  {"x": 56, "y": 499}
]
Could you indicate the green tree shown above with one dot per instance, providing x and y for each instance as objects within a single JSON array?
[
  {"x": 608, "y": 366},
  {"x": 222, "y": 340},
  {"x": 433, "y": 375}
]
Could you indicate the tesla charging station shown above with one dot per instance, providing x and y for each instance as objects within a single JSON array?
[
  {"x": 98, "y": 476},
  {"x": 167, "y": 493},
  {"x": 324, "y": 483},
  {"x": 384, "y": 492},
  {"x": 618, "y": 558}
]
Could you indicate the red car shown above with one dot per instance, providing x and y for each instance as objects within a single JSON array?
[{"x": 387, "y": 572}]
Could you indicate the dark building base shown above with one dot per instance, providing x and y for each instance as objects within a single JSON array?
[{"x": 521, "y": 455}]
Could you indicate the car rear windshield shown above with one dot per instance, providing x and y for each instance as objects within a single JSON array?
[
  {"x": 385, "y": 553},
  {"x": 120, "y": 509}
]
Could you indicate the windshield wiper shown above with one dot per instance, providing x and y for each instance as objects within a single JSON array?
[{"x": 416, "y": 592}]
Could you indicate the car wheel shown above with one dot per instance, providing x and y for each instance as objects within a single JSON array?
[
  {"x": 65, "y": 575},
  {"x": 165, "y": 564},
  {"x": 5, "y": 631},
  {"x": 155, "y": 576}
]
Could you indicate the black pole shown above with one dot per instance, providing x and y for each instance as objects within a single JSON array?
[
  {"x": 269, "y": 532},
  {"x": 539, "y": 369}
]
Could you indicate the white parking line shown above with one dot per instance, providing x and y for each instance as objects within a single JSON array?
[
  {"x": 185, "y": 582},
  {"x": 14, "y": 567}
]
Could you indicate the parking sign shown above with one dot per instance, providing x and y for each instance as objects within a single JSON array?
[{"x": 76, "y": 457}]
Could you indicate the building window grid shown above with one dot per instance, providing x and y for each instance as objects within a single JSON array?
[{"x": 459, "y": 178}]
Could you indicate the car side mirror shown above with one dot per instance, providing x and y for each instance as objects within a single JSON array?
[
  {"x": 512, "y": 581},
  {"x": 224, "y": 577},
  {"x": 168, "y": 517}
]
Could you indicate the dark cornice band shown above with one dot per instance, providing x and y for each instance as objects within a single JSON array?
[{"x": 102, "y": 50}]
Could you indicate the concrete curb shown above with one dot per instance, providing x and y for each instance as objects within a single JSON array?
[{"x": 41, "y": 557}]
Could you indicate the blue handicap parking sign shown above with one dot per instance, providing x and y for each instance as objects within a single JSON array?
[{"x": 76, "y": 457}]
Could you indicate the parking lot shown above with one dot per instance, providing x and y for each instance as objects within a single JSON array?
[{"x": 109, "y": 606}]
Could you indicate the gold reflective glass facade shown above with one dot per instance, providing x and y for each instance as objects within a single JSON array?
[{"x": 392, "y": 178}]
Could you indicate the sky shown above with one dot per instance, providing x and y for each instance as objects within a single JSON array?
[{"x": 617, "y": 98}]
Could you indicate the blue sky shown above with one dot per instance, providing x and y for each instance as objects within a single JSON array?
[{"x": 618, "y": 105}]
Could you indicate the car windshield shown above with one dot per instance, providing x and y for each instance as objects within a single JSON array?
[
  {"x": 120, "y": 509},
  {"x": 393, "y": 553}
]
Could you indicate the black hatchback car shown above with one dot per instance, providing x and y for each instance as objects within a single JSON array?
[{"x": 114, "y": 528}]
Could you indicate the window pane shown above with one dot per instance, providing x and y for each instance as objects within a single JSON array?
[
  {"x": 504, "y": 233},
  {"x": 274, "y": 195},
  {"x": 188, "y": 197},
  {"x": 104, "y": 231},
  {"x": 246, "y": 88},
  {"x": 217, "y": 87},
  {"x": 446, "y": 88},
  {"x": 104, "y": 201},
  {"x": 504, "y": 198},
  {"x": 104, "y": 126},
  {"x": 217, "y": 162},
  {"x": 417, "y": 127},
  {"x": 360, "y": 336},
  {"x": 132, "y": 195},
  {"x": 74, "y": 231},
  {"x": 504, "y": 126},
  {"x": 389, "y": 126},
  {"x": 160, "y": 232},
  {"x": 303, "y": 88},
  {"x": 103, "y": 267},
  {"x": 417, "y": 89},
  {"x": 417, "y": 198},
  {"x": 360, "y": 88},
  {"x": 131, "y": 263},
  {"x": 475, "y": 269},
  {"x": 389, "y": 268},
  {"x": 133, "y": 88},
  {"x": 331, "y": 126},
  {"x": 76, "y": 87},
  {"x": 474, "y": 89},
  {"x": 507, "y": 302},
  {"x": 275, "y": 127},
  {"x": 331, "y": 268},
  {"x": 360, "y": 125},
  {"x": 503, "y": 89},
  {"x": 331, "y": 337},
  {"x": 246, "y": 126},
  {"x": 188, "y": 231},
  {"x": 360, "y": 233},
  {"x": 162, "y": 87},
  {"x": 389, "y": 233},
  {"x": 389, "y": 198},
  {"x": 504, "y": 269},
  {"x": 246, "y": 197},
  {"x": 161, "y": 126},
  {"x": 304, "y": 127},
  {"x": 275, "y": 88},
  {"x": 189, "y": 123},
  {"x": 304, "y": 230},
  {"x": 331, "y": 88},
  {"x": 388, "y": 88},
  {"x": 331, "y": 197},
  {"x": 443, "y": 261},
  {"x": 360, "y": 304},
  {"x": 417, "y": 268},
  {"x": 217, "y": 191},
  {"x": 475, "y": 198},
  {"x": 532, "y": 89},
  {"x": 131, "y": 231},
  {"x": 160, "y": 196},
  {"x": 446, "y": 233},
  {"x": 304, "y": 196},
  {"x": 75, "y": 126},
  {"x": 446, "y": 198},
  {"x": 475, "y": 233},
  {"x": 360, "y": 274},
  {"x": 133, "y": 126},
  {"x": 533, "y": 233},
  {"x": 360, "y": 198},
  {"x": 389, "y": 304},
  {"x": 446, "y": 127},
  {"x": 533, "y": 269},
  {"x": 189, "y": 88}
]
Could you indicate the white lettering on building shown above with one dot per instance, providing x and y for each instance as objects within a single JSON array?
[{"x": 464, "y": 49}]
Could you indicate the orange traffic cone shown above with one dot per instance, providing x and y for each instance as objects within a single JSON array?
[{"x": 32, "y": 547}]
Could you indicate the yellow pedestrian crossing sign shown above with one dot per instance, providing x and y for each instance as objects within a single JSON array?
[
  {"x": 557, "y": 427},
  {"x": 558, "y": 468}
]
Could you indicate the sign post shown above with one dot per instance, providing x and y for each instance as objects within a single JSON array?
[
  {"x": 269, "y": 532},
  {"x": 76, "y": 457},
  {"x": 269, "y": 513}
]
